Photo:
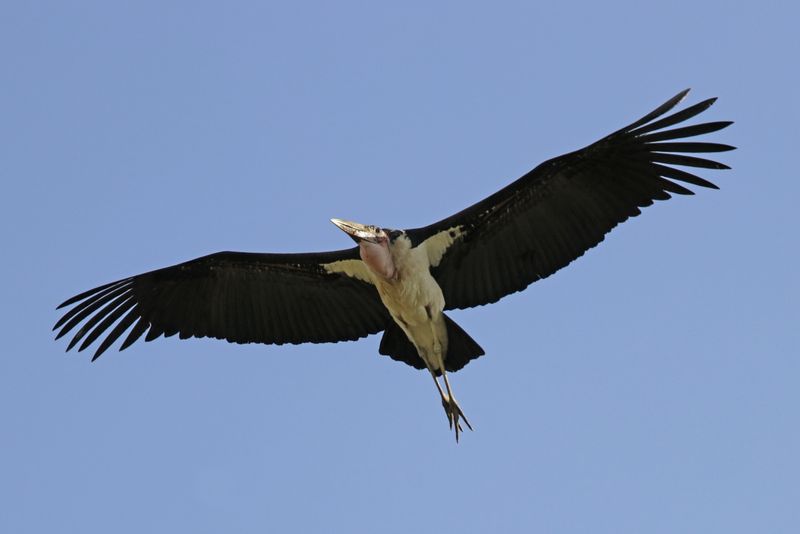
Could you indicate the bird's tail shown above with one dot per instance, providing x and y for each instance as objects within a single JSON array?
[{"x": 461, "y": 348}]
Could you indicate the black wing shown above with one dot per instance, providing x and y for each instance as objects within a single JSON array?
[
  {"x": 240, "y": 297},
  {"x": 553, "y": 214}
]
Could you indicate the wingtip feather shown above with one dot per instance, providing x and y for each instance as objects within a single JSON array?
[{"x": 75, "y": 340}]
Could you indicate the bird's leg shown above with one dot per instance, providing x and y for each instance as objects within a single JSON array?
[
  {"x": 445, "y": 398},
  {"x": 447, "y": 405},
  {"x": 453, "y": 409}
]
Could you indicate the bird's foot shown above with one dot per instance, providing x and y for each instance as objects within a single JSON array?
[{"x": 454, "y": 413}]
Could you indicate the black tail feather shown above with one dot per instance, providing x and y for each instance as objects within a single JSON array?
[
  {"x": 397, "y": 346},
  {"x": 461, "y": 348}
]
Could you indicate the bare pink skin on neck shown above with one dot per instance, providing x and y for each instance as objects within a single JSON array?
[{"x": 378, "y": 258}]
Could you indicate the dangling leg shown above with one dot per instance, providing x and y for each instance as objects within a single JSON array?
[
  {"x": 454, "y": 411},
  {"x": 451, "y": 407},
  {"x": 431, "y": 346},
  {"x": 445, "y": 399}
]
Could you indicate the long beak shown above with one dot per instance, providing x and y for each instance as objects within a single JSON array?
[{"x": 357, "y": 231}]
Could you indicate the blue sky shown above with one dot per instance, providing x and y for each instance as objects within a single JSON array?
[{"x": 649, "y": 387}]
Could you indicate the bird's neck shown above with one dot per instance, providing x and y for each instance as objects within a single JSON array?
[{"x": 378, "y": 257}]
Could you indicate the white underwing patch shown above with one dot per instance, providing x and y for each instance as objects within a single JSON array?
[
  {"x": 437, "y": 245},
  {"x": 352, "y": 268}
]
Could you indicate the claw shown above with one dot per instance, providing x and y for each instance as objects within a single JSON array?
[
  {"x": 446, "y": 406},
  {"x": 454, "y": 413},
  {"x": 451, "y": 408}
]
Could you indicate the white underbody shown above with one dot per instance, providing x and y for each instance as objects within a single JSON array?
[
  {"x": 415, "y": 302},
  {"x": 411, "y": 295}
]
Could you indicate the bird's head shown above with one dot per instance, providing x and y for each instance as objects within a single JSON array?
[
  {"x": 362, "y": 232},
  {"x": 374, "y": 245}
]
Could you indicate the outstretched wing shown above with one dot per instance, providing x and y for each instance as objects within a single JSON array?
[
  {"x": 237, "y": 296},
  {"x": 565, "y": 206}
]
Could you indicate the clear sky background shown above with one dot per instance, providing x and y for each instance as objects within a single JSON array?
[{"x": 652, "y": 386}]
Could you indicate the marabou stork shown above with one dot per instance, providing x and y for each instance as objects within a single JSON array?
[{"x": 401, "y": 281}]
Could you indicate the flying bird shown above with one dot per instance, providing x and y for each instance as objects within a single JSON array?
[{"x": 400, "y": 282}]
